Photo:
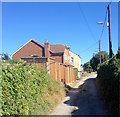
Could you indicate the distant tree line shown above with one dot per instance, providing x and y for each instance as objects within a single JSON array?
[{"x": 94, "y": 62}]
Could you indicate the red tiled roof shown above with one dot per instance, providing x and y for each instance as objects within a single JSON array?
[
  {"x": 57, "y": 48},
  {"x": 54, "y": 48}
]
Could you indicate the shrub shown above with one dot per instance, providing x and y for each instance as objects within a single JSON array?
[
  {"x": 78, "y": 78},
  {"x": 76, "y": 72},
  {"x": 27, "y": 90},
  {"x": 108, "y": 77}
]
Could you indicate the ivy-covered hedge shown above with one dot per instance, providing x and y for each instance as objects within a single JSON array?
[
  {"x": 27, "y": 90},
  {"x": 109, "y": 80}
]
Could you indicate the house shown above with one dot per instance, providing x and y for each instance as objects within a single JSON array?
[
  {"x": 60, "y": 52},
  {"x": 74, "y": 58}
]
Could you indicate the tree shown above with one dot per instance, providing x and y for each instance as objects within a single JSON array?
[
  {"x": 87, "y": 67},
  {"x": 104, "y": 56},
  {"x": 76, "y": 72},
  {"x": 95, "y": 60},
  {"x": 118, "y": 54}
]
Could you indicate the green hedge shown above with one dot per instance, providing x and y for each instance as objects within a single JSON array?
[
  {"x": 108, "y": 77},
  {"x": 26, "y": 88}
]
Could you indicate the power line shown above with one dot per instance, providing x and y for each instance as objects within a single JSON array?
[
  {"x": 104, "y": 21},
  {"x": 103, "y": 25},
  {"x": 88, "y": 26},
  {"x": 93, "y": 45}
]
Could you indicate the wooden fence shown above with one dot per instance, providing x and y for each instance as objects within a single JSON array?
[{"x": 57, "y": 71}]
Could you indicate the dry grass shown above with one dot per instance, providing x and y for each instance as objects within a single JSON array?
[
  {"x": 54, "y": 99},
  {"x": 74, "y": 84}
]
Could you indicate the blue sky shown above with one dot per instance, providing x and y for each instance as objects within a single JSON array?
[{"x": 72, "y": 24}]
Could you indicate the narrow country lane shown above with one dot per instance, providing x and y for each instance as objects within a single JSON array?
[{"x": 83, "y": 99}]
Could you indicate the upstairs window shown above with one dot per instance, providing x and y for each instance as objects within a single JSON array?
[{"x": 72, "y": 59}]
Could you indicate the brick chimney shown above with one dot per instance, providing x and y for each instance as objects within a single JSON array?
[{"x": 46, "y": 49}]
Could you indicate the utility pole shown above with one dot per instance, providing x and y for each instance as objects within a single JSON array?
[
  {"x": 99, "y": 50},
  {"x": 109, "y": 30}
]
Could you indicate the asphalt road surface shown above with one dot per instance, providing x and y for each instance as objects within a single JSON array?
[{"x": 83, "y": 99}]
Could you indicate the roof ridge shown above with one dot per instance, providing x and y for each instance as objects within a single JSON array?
[
  {"x": 30, "y": 40},
  {"x": 36, "y": 42},
  {"x": 57, "y": 44}
]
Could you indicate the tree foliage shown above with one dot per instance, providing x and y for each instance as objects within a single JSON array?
[
  {"x": 95, "y": 60},
  {"x": 108, "y": 78},
  {"x": 76, "y": 72},
  {"x": 87, "y": 67},
  {"x": 118, "y": 54}
]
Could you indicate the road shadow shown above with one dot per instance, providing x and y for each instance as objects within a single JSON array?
[
  {"x": 73, "y": 94},
  {"x": 86, "y": 99}
]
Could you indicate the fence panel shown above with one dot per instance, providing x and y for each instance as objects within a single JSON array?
[
  {"x": 62, "y": 73},
  {"x": 41, "y": 65},
  {"x": 52, "y": 69},
  {"x": 57, "y": 71}
]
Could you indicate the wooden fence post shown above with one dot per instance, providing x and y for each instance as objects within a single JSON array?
[
  {"x": 70, "y": 75},
  {"x": 48, "y": 65},
  {"x": 55, "y": 71}
]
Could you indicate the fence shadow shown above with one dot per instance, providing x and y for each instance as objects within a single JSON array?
[
  {"x": 73, "y": 94},
  {"x": 85, "y": 99}
]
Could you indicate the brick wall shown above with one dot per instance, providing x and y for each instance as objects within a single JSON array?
[
  {"x": 39, "y": 62},
  {"x": 29, "y": 49},
  {"x": 59, "y": 58},
  {"x": 46, "y": 49},
  {"x": 66, "y": 56}
]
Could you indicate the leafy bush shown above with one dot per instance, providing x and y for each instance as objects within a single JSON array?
[
  {"x": 76, "y": 72},
  {"x": 78, "y": 78},
  {"x": 87, "y": 67},
  {"x": 95, "y": 60},
  {"x": 118, "y": 54},
  {"x": 108, "y": 77},
  {"x": 27, "y": 90}
]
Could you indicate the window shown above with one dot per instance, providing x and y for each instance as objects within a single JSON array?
[{"x": 72, "y": 59}]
